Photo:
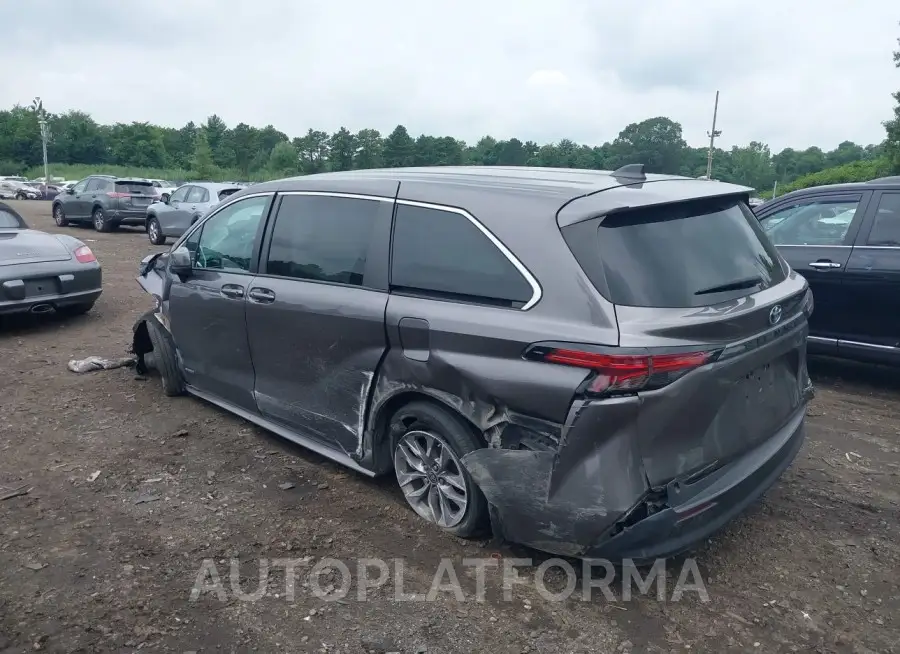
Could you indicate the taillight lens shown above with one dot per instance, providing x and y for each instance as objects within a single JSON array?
[
  {"x": 622, "y": 373},
  {"x": 84, "y": 255},
  {"x": 114, "y": 194}
]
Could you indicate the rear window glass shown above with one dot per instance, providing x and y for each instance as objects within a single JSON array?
[
  {"x": 9, "y": 220},
  {"x": 145, "y": 188},
  {"x": 686, "y": 255},
  {"x": 224, "y": 193}
]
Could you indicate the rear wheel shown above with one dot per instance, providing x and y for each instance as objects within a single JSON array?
[
  {"x": 59, "y": 216},
  {"x": 101, "y": 224},
  {"x": 20, "y": 196},
  {"x": 76, "y": 309},
  {"x": 164, "y": 197},
  {"x": 154, "y": 232},
  {"x": 428, "y": 463},
  {"x": 164, "y": 360}
]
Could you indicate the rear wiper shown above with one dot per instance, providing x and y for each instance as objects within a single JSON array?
[{"x": 736, "y": 285}]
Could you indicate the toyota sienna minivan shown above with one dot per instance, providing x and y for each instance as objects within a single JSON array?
[{"x": 593, "y": 364}]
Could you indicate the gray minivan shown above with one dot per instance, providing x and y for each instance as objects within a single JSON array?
[{"x": 591, "y": 363}]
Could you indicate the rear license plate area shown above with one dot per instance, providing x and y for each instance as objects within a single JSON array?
[
  {"x": 771, "y": 392},
  {"x": 39, "y": 287}
]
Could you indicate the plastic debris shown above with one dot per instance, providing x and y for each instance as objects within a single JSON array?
[{"x": 90, "y": 364}]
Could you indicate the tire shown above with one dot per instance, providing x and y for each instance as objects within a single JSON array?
[
  {"x": 76, "y": 309},
  {"x": 165, "y": 361},
  {"x": 98, "y": 219},
  {"x": 164, "y": 197},
  {"x": 154, "y": 232},
  {"x": 59, "y": 216},
  {"x": 446, "y": 430},
  {"x": 21, "y": 196}
]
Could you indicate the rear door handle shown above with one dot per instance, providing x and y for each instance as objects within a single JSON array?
[
  {"x": 824, "y": 264},
  {"x": 233, "y": 291},
  {"x": 262, "y": 295}
]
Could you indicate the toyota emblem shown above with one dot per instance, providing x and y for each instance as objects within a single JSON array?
[{"x": 775, "y": 315}]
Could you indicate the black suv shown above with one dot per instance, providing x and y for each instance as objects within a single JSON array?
[
  {"x": 845, "y": 239},
  {"x": 105, "y": 201}
]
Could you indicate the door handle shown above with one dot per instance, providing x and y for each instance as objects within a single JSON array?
[
  {"x": 262, "y": 295},
  {"x": 233, "y": 291},
  {"x": 824, "y": 264}
]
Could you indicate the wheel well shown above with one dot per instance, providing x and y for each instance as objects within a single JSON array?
[{"x": 383, "y": 441}]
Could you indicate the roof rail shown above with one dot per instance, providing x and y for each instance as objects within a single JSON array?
[{"x": 631, "y": 171}]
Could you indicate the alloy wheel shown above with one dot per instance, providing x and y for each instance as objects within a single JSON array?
[
  {"x": 98, "y": 220},
  {"x": 153, "y": 229},
  {"x": 430, "y": 475}
]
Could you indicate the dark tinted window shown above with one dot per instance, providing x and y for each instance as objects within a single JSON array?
[
  {"x": 225, "y": 192},
  {"x": 136, "y": 188},
  {"x": 814, "y": 221},
  {"x": 322, "y": 238},
  {"x": 94, "y": 184},
  {"x": 886, "y": 228},
  {"x": 686, "y": 255},
  {"x": 443, "y": 253}
]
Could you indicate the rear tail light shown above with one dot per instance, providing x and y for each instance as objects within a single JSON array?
[
  {"x": 116, "y": 194},
  {"x": 84, "y": 255},
  {"x": 625, "y": 373}
]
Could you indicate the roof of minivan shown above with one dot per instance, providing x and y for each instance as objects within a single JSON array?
[{"x": 880, "y": 183}]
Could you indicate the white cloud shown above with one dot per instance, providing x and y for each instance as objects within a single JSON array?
[{"x": 794, "y": 73}]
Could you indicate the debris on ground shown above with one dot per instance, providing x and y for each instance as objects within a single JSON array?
[
  {"x": 144, "y": 499},
  {"x": 93, "y": 476},
  {"x": 286, "y": 486},
  {"x": 90, "y": 364},
  {"x": 35, "y": 566},
  {"x": 16, "y": 492}
]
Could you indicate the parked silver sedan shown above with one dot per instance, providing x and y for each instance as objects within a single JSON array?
[{"x": 183, "y": 208}]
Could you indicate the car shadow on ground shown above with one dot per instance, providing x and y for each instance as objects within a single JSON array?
[
  {"x": 28, "y": 324},
  {"x": 830, "y": 372}
]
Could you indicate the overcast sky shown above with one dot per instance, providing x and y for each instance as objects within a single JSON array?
[{"x": 791, "y": 72}]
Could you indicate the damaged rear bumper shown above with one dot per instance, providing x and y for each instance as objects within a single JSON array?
[{"x": 590, "y": 499}]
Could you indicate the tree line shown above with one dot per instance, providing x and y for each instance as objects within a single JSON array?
[{"x": 213, "y": 150}]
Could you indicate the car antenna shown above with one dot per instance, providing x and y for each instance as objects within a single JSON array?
[{"x": 631, "y": 172}]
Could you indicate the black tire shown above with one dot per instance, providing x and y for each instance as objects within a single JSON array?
[
  {"x": 59, "y": 216},
  {"x": 20, "y": 196},
  {"x": 154, "y": 231},
  {"x": 76, "y": 309},
  {"x": 164, "y": 360},
  {"x": 462, "y": 439},
  {"x": 99, "y": 221},
  {"x": 164, "y": 197}
]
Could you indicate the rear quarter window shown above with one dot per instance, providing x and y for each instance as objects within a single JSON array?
[
  {"x": 689, "y": 254},
  {"x": 138, "y": 188},
  {"x": 442, "y": 254}
]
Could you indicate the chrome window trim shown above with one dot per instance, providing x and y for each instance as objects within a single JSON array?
[
  {"x": 535, "y": 286},
  {"x": 338, "y": 194},
  {"x": 873, "y": 346}
]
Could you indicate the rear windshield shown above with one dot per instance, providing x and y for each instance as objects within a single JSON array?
[
  {"x": 686, "y": 255},
  {"x": 225, "y": 192},
  {"x": 136, "y": 188}
]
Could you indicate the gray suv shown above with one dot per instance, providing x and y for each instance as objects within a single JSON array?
[
  {"x": 105, "y": 202},
  {"x": 592, "y": 363}
]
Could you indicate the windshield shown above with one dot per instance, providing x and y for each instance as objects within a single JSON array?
[{"x": 686, "y": 255}]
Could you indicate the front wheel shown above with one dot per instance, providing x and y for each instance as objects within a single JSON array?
[
  {"x": 20, "y": 196},
  {"x": 154, "y": 232},
  {"x": 59, "y": 216},
  {"x": 428, "y": 463},
  {"x": 165, "y": 360},
  {"x": 101, "y": 224}
]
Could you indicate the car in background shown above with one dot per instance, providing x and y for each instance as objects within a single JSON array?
[
  {"x": 105, "y": 201},
  {"x": 187, "y": 204},
  {"x": 13, "y": 189},
  {"x": 607, "y": 365},
  {"x": 41, "y": 272},
  {"x": 845, "y": 240},
  {"x": 164, "y": 188}
]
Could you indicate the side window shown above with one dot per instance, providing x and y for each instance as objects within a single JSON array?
[
  {"x": 80, "y": 186},
  {"x": 226, "y": 239},
  {"x": 812, "y": 222},
  {"x": 195, "y": 195},
  {"x": 443, "y": 254},
  {"x": 886, "y": 228},
  {"x": 322, "y": 238},
  {"x": 93, "y": 184},
  {"x": 180, "y": 194},
  {"x": 105, "y": 185}
]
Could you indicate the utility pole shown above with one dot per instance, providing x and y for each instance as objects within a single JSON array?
[
  {"x": 38, "y": 108},
  {"x": 712, "y": 139}
]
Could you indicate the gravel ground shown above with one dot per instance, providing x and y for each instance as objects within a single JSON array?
[{"x": 134, "y": 496}]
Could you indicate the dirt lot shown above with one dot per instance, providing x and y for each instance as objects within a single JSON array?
[{"x": 131, "y": 491}]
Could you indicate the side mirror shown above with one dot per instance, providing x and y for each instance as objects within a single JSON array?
[
  {"x": 71, "y": 190},
  {"x": 180, "y": 262}
]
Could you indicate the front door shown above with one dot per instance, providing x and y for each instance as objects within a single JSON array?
[
  {"x": 76, "y": 205},
  {"x": 873, "y": 276},
  {"x": 815, "y": 233},
  {"x": 207, "y": 308},
  {"x": 175, "y": 220},
  {"x": 315, "y": 315}
]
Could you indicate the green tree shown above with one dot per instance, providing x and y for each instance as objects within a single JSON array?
[
  {"x": 342, "y": 147},
  {"x": 399, "y": 148},
  {"x": 656, "y": 142},
  {"x": 202, "y": 162},
  {"x": 283, "y": 161},
  {"x": 892, "y": 127}
]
